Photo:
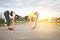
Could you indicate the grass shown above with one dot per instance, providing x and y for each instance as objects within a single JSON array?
[
  {"x": 1, "y": 25},
  {"x": 22, "y": 22},
  {"x": 57, "y": 24}
]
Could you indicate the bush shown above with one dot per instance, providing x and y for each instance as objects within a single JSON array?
[{"x": 1, "y": 20}]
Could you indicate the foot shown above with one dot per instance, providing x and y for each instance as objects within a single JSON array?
[
  {"x": 10, "y": 29},
  {"x": 33, "y": 27}
]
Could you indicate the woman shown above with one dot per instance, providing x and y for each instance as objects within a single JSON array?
[
  {"x": 32, "y": 18},
  {"x": 7, "y": 15}
]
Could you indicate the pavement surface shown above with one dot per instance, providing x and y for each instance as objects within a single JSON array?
[{"x": 43, "y": 31}]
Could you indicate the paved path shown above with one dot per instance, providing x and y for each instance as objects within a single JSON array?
[{"x": 23, "y": 32}]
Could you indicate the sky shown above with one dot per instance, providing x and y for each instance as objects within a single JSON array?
[{"x": 46, "y": 8}]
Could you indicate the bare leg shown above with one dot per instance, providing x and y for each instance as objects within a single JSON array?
[{"x": 36, "y": 18}]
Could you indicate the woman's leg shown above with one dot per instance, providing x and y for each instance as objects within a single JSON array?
[{"x": 13, "y": 22}]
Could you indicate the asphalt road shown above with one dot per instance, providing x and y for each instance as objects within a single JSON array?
[{"x": 43, "y": 31}]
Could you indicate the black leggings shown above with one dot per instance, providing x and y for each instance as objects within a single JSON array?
[{"x": 8, "y": 21}]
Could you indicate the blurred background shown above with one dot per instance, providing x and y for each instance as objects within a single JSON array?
[{"x": 49, "y": 10}]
